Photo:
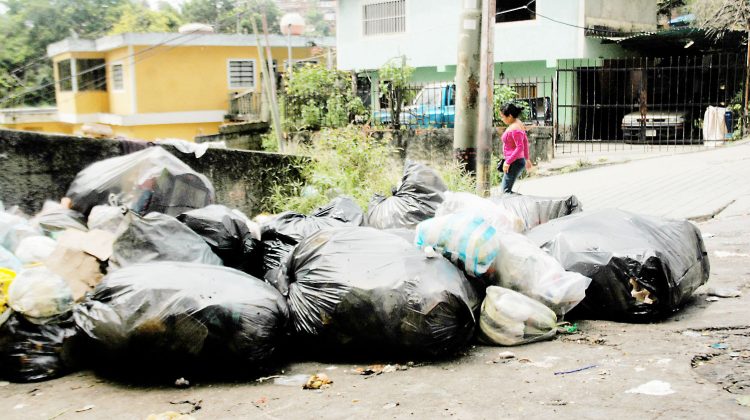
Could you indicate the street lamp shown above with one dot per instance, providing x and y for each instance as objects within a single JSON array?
[{"x": 291, "y": 24}]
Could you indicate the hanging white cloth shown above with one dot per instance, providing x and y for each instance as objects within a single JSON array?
[{"x": 714, "y": 127}]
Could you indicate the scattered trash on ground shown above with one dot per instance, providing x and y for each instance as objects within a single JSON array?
[
  {"x": 294, "y": 380},
  {"x": 724, "y": 292},
  {"x": 566, "y": 372},
  {"x": 380, "y": 369},
  {"x": 182, "y": 383},
  {"x": 319, "y": 381},
  {"x": 743, "y": 400},
  {"x": 719, "y": 346},
  {"x": 86, "y": 408},
  {"x": 391, "y": 405},
  {"x": 658, "y": 388}
]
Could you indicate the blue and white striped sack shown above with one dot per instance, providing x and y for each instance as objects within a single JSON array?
[{"x": 467, "y": 240}]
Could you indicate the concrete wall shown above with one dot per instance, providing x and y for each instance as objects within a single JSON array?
[
  {"x": 40, "y": 166},
  {"x": 622, "y": 15},
  {"x": 435, "y": 146}
]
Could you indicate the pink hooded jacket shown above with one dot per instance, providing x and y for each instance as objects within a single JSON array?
[{"x": 515, "y": 145}]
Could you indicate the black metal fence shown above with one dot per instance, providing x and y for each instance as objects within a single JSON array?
[{"x": 613, "y": 103}]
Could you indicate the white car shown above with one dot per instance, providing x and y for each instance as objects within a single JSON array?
[{"x": 660, "y": 126}]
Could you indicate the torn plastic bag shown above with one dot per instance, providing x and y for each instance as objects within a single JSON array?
[
  {"x": 227, "y": 234},
  {"x": 158, "y": 237},
  {"x": 37, "y": 292},
  {"x": 281, "y": 234},
  {"x": 151, "y": 180},
  {"x": 522, "y": 266},
  {"x": 34, "y": 249},
  {"x": 415, "y": 200},
  {"x": 172, "y": 314},
  {"x": 509, "y": 318},
  {"x": 55, "y": 218},
  {"x": 461, "y": 202},
  {"x": 107, "y": 218},
  {"x": 32, "y": 351},
  {"x": 535, "y": 211},
  {"x": 341, "y": 208},
  {"x": 642, "y": 268},
  {"x": 466, "y": 240},
  {"x": 373, "y": 290}
]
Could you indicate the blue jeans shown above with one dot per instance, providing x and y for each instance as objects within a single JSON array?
[{"x": 513, "y": 172}]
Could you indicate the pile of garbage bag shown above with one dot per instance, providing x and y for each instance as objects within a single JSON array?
[
  {"x": 642, "y": 268},
  {"x": 169, "y": 313},
  {"x": 151, "y": 180},
  {"x": 416, "y": 199},
  {"x": 146, "y": 270},
  {"x": 282, "y": 233},
  {"x": 369, "y": 289},
  {"x": 158, "y": 237},
  {"x": 228, "y": 234}
]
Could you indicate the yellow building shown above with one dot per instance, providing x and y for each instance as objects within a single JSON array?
[{"x": 149, "y": 86}]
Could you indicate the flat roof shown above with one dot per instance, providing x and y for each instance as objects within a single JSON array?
[{"x": 190, "y": 39}]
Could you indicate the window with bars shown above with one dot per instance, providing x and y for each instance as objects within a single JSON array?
[
  {"x": 117, "y": 78},
  {"x": 384, "y": 17},
  {"x": 514, "y": 10},
  {"x": 65, "y": 82},
  {"x": 241, "y": 74},
  {"x": 91, "y": 74}
]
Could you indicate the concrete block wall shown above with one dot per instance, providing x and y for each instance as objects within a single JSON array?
[{"x": 38, "y": 166}]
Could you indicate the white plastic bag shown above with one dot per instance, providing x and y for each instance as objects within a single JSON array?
[
  {"x": 39, "y": 293},
  {"x": 461, "y": 202},
  {"x": 107, "y": 218},
  {"x": 509, "y": 318},
  {"x": 524, "y": 267},
  {"x": 13, "y": 229},
  {"x": 35, "y": 249}
]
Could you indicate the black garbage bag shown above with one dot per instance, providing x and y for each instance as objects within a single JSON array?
[
  {"x": 373, "y": 290},
  {"x": 32, "y": 352},
  {"x": 642, "y": 268},
  {"x": 538, "y": 210},
  {"x": 415, "y": 200},
  {"x": 152, "y": 180},
  {"x": 159, "y": 237},
  {"x": 281, "y": 234},
  {"x": 341, "y": 208},
  {"x": 227, "y": 234},
  {"x": 170, "y": 314},
  {"x": 55, "y": 218}
]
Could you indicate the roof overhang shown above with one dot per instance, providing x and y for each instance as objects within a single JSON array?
[{"x": 107, "y": 43}]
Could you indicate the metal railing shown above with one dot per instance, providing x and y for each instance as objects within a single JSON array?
[{"x": 244, "y": 106}]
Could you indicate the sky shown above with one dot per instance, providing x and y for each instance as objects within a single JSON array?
[{"x": 175, "y": 3}]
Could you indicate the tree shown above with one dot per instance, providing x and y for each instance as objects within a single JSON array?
[
  {"x": 224, "y": 14},
  {"x": 394, "y": 78},
  {"x": 717, "y": 18},
  {"x": 28, "y": 26},
  {"x": 315, "y": 18},
  {"x": 138, "y": 17}
]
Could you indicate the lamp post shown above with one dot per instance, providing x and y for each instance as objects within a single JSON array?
[{"x": 291, "y": 24}]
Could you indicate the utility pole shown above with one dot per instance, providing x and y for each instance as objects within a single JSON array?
[
  {"x": 267, "y": 88},
  {"x": 486, "y": 101},
  {"x": 272, "y": 82},
  {"x": 467, "y": 86}
]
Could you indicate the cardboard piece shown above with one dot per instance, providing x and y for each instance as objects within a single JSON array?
[{"x": 77, "y": 258}]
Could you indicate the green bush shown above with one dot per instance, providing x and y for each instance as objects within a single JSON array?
[
  {"x": 505, "y": 94},
  {"x": 316, "y": 97},
  {"x": 349, "y": 161}
]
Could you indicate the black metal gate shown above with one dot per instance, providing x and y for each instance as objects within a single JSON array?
[{"x": 610, "y": 104}]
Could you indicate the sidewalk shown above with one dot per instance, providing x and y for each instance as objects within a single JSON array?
[{"x": 687, "y": 185}]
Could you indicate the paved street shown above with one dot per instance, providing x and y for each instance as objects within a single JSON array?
[{"x": 686, "y": 185}]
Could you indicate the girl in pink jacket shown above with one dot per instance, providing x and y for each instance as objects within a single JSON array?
[{"x": 515, "y": 146}]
